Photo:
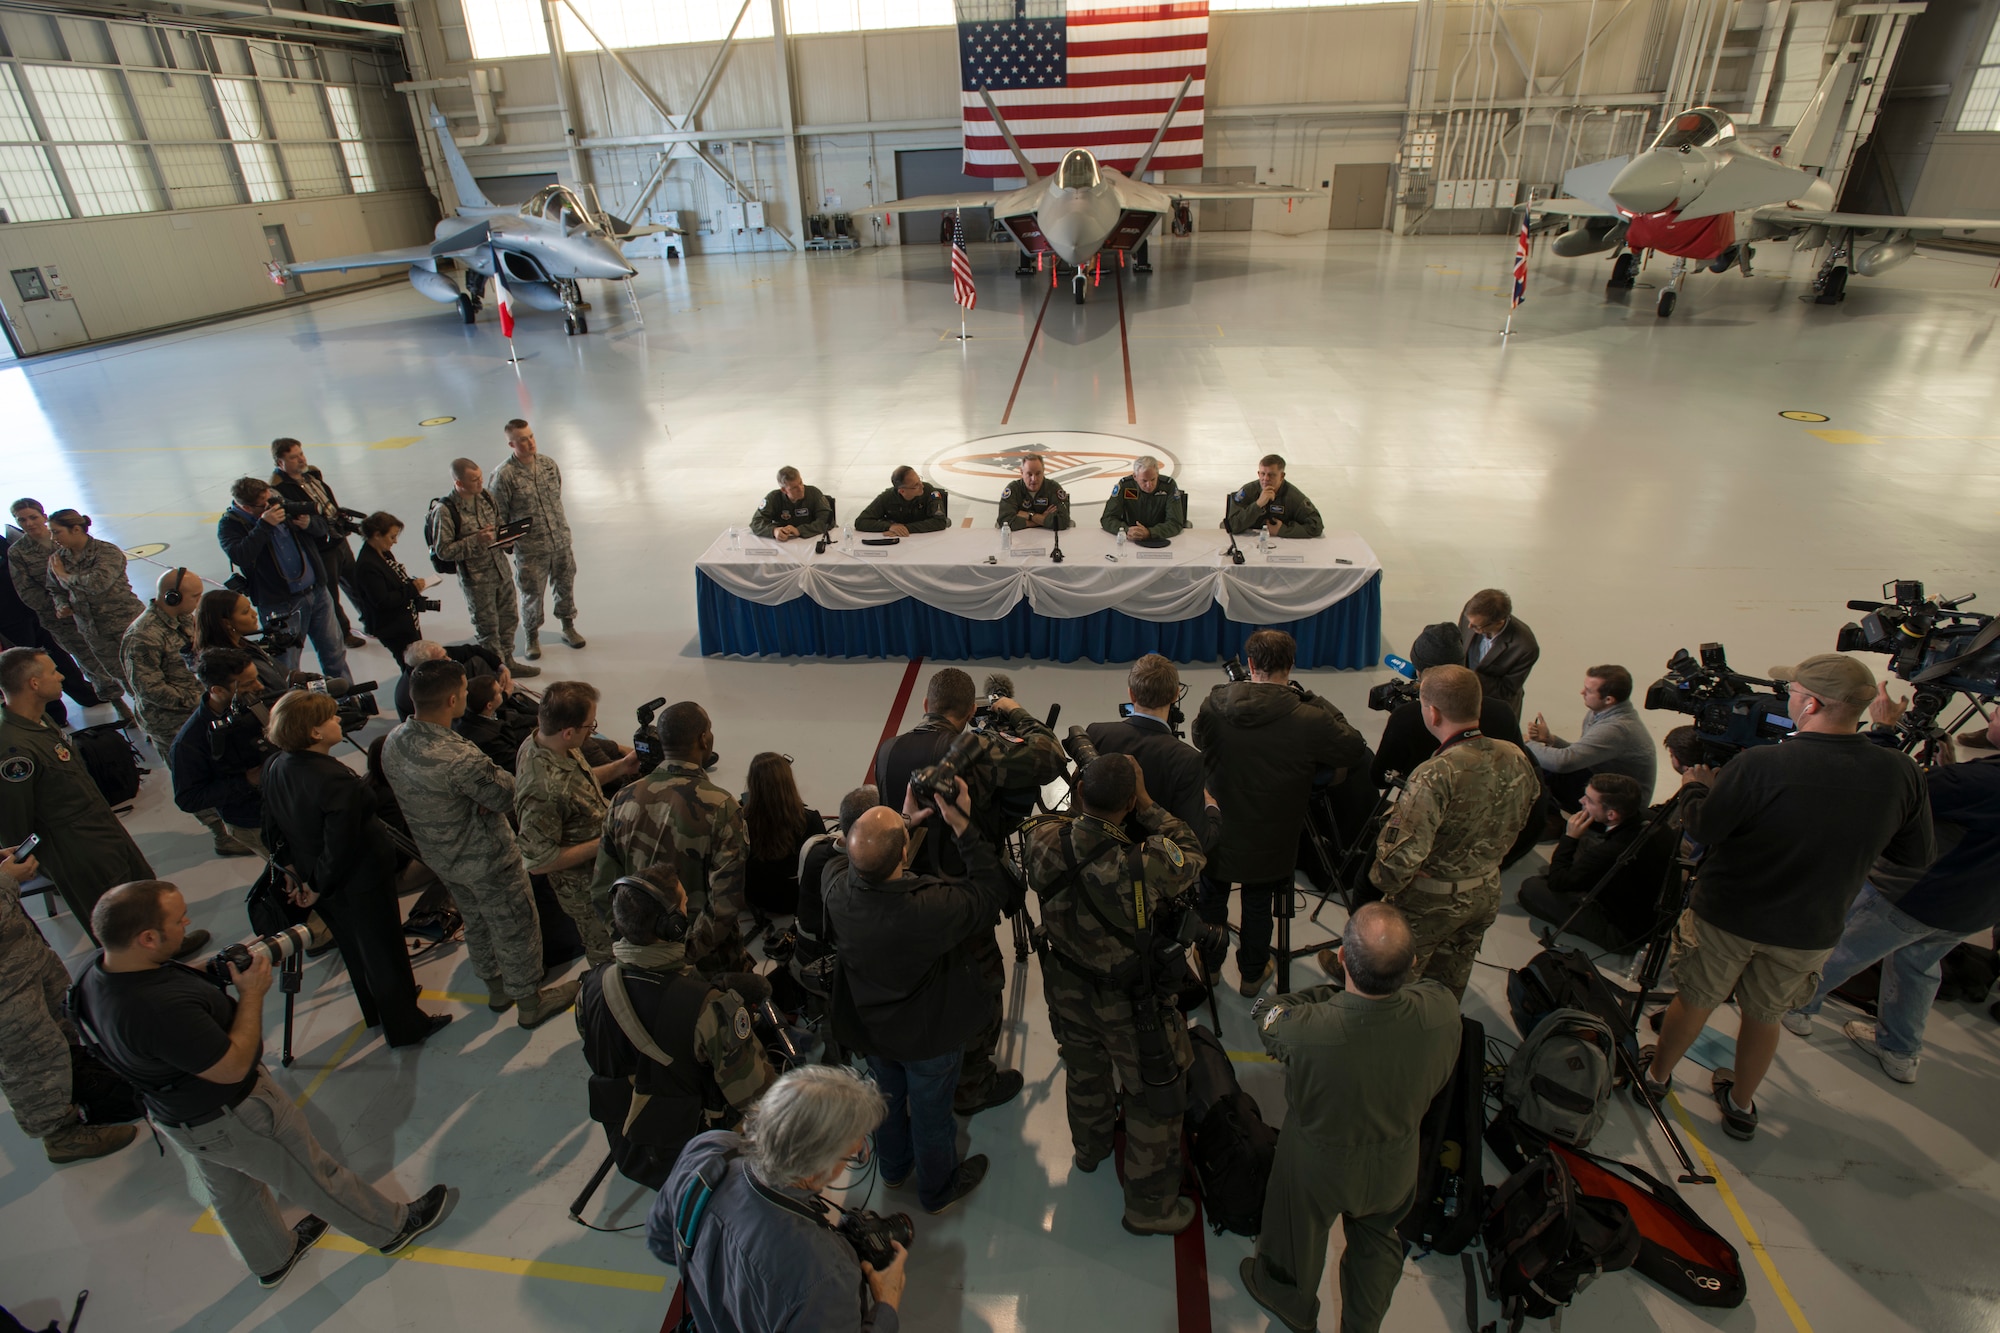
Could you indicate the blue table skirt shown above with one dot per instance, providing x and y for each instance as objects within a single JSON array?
[{"x": 1347, "y": 634}]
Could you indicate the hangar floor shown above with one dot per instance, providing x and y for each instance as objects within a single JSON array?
[{"x": 1628, "y": 479}]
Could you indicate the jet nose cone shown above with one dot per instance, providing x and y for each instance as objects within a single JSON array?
[
  {"x": 1648, "y": 184},
  {"x": 606, "y": 260},
  {"x": 1065, "y": 235}
]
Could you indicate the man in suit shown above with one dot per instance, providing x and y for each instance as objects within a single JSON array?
[{"x": 1500, "y": 648}]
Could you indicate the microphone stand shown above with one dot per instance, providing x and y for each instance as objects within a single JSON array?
[
  {"x": 1056, "y": 552},
  {"x": 1234, "y": 553}
]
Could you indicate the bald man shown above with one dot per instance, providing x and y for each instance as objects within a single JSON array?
[{"x": 157, "y": 654}]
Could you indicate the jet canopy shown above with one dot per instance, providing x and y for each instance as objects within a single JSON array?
[
  {"x": 1078, "y": 170},
  {"x": 1701, "y": 127},
  {"x": 557, "y": 204}
]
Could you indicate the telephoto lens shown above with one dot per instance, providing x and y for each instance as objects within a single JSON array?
[{"x": 287, "y": 942}]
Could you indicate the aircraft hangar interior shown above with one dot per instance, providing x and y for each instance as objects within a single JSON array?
[{"x": 906, "y": 393}]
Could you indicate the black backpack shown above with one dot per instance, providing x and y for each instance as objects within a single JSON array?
[
  {"x": 101, "y": 1094},
  {"x": 1233, "y": 1147},
  {"x": 1567, "y": 979},
  {"x": 1451, "y": 1186},
  {"x": 112, "y": 759},
  {"x": 1546, "y": 1240},
  {"x": 434, "y": 532}
]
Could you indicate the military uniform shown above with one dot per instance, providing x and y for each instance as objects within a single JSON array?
[
  {"x": 102, "y": 601},
  {"x": 1159, "y": 511},
  {"x": 28, "y": 566},
  {"x": 483, "y": 573},
  {"x": 534, "y": 490},
  {"x": 1090, "y": 923},
  {"x": 558, "y": 804},
  {"x": 923, "y": 514},
  {"x": 1295, "y": 513},
  {"x": 1359, "y": 1075},
  {"x": 35, "y": 1034},
  {"x": 1438, "y": 855},
  {"x": 1017, "y": 502},
  {"x": 45, "y": 788},
  {"x": 677, "y": 812},
  {"x": 155, "y": 656},
  {"x": 810, "y": 513},
  {"x": 455, "y": 801}
]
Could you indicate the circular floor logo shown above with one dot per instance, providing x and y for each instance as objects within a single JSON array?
[{"x": 980, "y": 469}]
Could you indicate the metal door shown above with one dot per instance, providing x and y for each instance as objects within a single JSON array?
[
  {"x": 1227, "y": 214},
  {"x": 1360, "y": 196},
  {"x": 281, "y": 253},
  {"x": 937, "y": 171},
  {"x": 48, "y": 319}
]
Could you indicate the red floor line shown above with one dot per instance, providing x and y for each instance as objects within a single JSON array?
[
  {"x": 1025, "y": 355},
  {"x": 895, "y": 722},
  {"x": 1125, "y": 348},
  {"x": 1191, "y": 1275}
]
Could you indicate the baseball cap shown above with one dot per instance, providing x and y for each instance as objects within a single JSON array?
[{"x": 1832, "y": 677}]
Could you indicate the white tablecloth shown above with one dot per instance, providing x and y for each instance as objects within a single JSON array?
[{"x": 964, "y": 571}]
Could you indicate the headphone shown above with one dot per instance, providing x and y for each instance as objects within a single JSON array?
[
  {"x": 673, "y": 926},
  {"x": 172, "y": 595}
]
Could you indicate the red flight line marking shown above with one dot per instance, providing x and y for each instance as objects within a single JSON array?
[
  {"x": 895, "y": 722},
  {"x": 1124, "y": 347},
  {"x": 1025, "y": 355}
]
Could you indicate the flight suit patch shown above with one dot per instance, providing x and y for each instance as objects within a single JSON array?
[
  {"x": 1174, "y": 854},
  {"x": 62, "y": 753},
  {"x": 1272, "y": 1015},
  {"x": 17, "y": 768},
  {"x": 742, "y": 1025}
]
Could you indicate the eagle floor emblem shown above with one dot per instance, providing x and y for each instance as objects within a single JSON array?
[
  {"x": 17, "y": 768},
  {"x": 980, "y": 469}
]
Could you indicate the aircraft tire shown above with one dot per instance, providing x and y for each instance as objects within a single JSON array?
[
  {"x": 1668, "y": 300},
  {"x": 1835, "y": 289},
  {"x": 1080, "y": 285},
  {"x": 466, "y": 310},
  {"x": 582, "y": 323},
  {"x": 1622, "y": 269},
  {"x": 569, "y": 325}
]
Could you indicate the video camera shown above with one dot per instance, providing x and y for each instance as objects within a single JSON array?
[
  {"x": 646, "y": 740},
  {"x": 1936, "y": 647},
  {"x": 1731, "y": 714},
  {"x": 275, "y": 638},
  {"x": 276, "y": 948},
  {"x": 1393, "y": 694},
  {"x": 345, "y": 522}
]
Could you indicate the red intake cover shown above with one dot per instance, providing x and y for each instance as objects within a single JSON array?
[
  {"x": 1029, "y": 233},
  {"x": 1700, "y": 238}
]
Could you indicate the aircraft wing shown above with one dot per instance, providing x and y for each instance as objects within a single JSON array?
[
  {"x": 1808, "y": 217},
  {"x": 926, "y": 203},
  {"x": 1239, "y": 192},
  {"x": 1572, "y": 208},
  {"x": 412, "y": 254}
]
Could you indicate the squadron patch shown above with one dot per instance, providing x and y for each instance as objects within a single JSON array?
[
  {"x": 17, "y": 768},
  {"x": 62, "y": 753},
  {"x": 1272, "y": 1015},
  {"x": 742, "y": 1025},
  {"x": 1174, "y": 853}
]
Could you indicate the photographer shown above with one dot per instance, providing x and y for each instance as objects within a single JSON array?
[
  {"x": 1497, "y": 646},
  {"x": 559, "y": 805},
  {"x": 220, "y": 751},
  {"x": 1791, "y": 830},
  {"x": 1265, "y": 744},
  {"x": 280, "y": 567},
  {"x": 671, "y": 1053},
  {"x": 196, "y": 1058},
  {"x": 1613, "y": 740},
  {"x": 1406, "y": 742},
  {"x": 225, "y": 619},
  {"x": 1171, "y": 767},
  {"x": 1109, "y": 989},
  {"x": 1610, "y": 820},
  {"x": 911, "y": 980},
  {"x": 387, "y": 597},
  {"x": 302, "y": 485},
  {"x": 741, "y": 1217}
]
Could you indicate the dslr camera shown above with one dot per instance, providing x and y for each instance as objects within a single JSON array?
[
  {"x": 1235, "y": 672},
  {"x": 276, "y": 948},
  {"x": 345, "y": 522},
  {"x": 275, "y": 637},
  {"x": 1728, "y": 709},
  {"x": 875, "y": 1236},
  {"x": 1936, "y": 647}
]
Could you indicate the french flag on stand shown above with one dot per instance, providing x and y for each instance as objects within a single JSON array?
[{"x": 503, "y": 300}]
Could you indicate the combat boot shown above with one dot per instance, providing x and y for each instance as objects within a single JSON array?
[
  {"x": 546, "y": 1003},
  {"x": 1175, "y": 1222},
  {"x": 534, "y": 646},
  {"x": 522, "y": 669},
  {"x": 497, "y": 998},
  {"x": 78, "y": 1142},
  {"x": 570, "y": 636}
]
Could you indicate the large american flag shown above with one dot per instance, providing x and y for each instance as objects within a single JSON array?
[
  {"x": 1096, "y": 74},
  {"x": 1520, "y": 265},
  {"x": 962, "y": 290}
]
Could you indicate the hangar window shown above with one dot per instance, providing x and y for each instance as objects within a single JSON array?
[
  {"x": 501, "y": 28},
  {"x": 347, "y": 125},
  {"x": 28, "y": 190},
  {"x": 90, "y": 122},
  {"x": 873, "y": 15},
  {"x": 1981, "y": 112},
  {"x": 244, "y": 115}
]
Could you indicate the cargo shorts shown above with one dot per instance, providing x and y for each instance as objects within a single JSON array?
[{"x": 1769, "y": 980}]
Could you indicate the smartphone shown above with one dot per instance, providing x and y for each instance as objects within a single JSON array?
[{"x": 27, "y": 847}]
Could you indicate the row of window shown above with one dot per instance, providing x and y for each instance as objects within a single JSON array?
[{"x": 1981, "y": 111}]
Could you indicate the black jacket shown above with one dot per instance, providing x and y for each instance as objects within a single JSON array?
[
  {"x": 1503, "y": 671},
  {"x": 204, "y": 782},
  {"x": 1406, "y": 743},
  {"x": 1630, "y": 902},
  {"x": 246, "y": 540},
  {"x": 320, "y": 818},
  {"x": 386, "y": 595},
  {"x": 903, "y": 755},
  {"x": 907, "y": 954},
  {"x": 477, "y": 659},
  {"x": 1172, "y": 767},
  {"x": 319, "y": 529},
  {"x": 498, "y": 737},
  {"x": 679, "y": 1095},
  {"x": 1263, "y": 748}
]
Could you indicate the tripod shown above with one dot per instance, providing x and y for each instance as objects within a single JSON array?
[{"x": 1343, "y": 863}]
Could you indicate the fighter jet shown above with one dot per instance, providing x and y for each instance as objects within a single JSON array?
[
  {"x": 1706, "y": 194},
  {"x": 1085, "y": 207},
  {"x": 546, "y": 246}
]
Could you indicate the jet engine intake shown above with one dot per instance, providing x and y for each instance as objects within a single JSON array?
[
  {"x": 434, "y": 285},
  {"x": 1879, "y": 259},
  {"x": 535, "y": 295},
  {"x": 1593, "y": 236}
]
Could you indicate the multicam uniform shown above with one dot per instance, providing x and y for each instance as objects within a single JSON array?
[
  {"x": 1438, "y": 855},
  {"x": 677, "y": 812},
  {"x": 1089, "y": 916},
  {"x": 1295, "y": 513},
  {"x": 45, "y": 788},
  {"x": 558, "y": 804},
  {"x": 482, "y": 572},
  {"x": 456, "y": 802},
  {"x": 1159, "y": 512},
  {"x": 35, "y": 1035},
  {"x": 28, "y": 566},
  {"x": 923, "y": 514},
  {"x": 810, "y": 513},
  {"x": 154, "y": 658},
  {"x": 1017, "y": 502},
  {"x": 534, "y": 490},
  {"x": 102, "y": 601}
]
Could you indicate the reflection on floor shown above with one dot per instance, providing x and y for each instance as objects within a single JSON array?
[{"x": 1628, "y": 479}]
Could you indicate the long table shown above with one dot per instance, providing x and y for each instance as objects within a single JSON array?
[{"x": 960, "y": 595}]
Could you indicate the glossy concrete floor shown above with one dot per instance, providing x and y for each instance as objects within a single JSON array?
[{"x": 1629, "y": 479}]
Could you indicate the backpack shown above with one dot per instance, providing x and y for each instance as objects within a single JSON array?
[
  {"x": 434, "y": 532},
  {"x": 102, "y": 1095},
  {"x": 1451, "y": 1187},
  {"x": 1559, "y": 1083},
  {"x": 1546, "y": 1240},
  {"x": 1567, "y": 979},
  {"x": 1232, "y": 1146},
  {"x": 112, "y": 759}
]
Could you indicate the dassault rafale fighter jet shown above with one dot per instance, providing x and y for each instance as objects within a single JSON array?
[
  {"x": 1085, "y": 207},
  {"x": 1702, "y": 193},
  {"x": 547, "y": 245}
]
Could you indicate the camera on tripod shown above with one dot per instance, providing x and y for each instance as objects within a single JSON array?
[
  {"x": 1936, "y": 647},
  {"x": 1729, "y": 712},
  {"x": 275, "y": 948},
  {"x": 646, "y": 740}
]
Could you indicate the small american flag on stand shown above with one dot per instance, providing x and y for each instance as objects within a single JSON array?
[{"x": 962, "y": 289}]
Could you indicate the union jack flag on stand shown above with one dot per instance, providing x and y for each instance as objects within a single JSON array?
[
  {"x": 962, "y": 289},
  {"x": 1521, "y": 265}
]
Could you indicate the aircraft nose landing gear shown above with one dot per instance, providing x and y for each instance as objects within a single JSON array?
[
  {"x": 1672, "y": 295},
  {"x": 1079, "y": 284},
  {"x": 468, "y": 309},
  {"x": 1624, "y": 270},
  {"x": 574, "y": 320}
]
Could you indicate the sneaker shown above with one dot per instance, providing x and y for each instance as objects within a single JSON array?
[
  {"x": 1798, "y": 1023},
  {"x": 1902, "y": 1068},
  {"x": 522, "y": 670},
  {"x": 306, "y": 1233},
  {"x": 497, "y": 998},
  {"x": 570, "y": 636},
  {"x": 194, "y": 943},
  {"x": 78, "y": 1142},
  {"x": 534, "y": 648},
  {"x": 546, "y": 1003},
  {"x": 899, "y": 1181},
  {"x": 1737, "y": 1123},
  {"x": 1176, "y": 1221},
  {"x": 1657, "y": 1088},
  {"x": 1007, "y": 1085},
  {"x": 1251, "y": 986},
  {"x": 353, "y": 640},
  {"x": 963, "y": 1181},
  {"x": 423, "y": 1214},
  {"x": 228, "y": 846}
]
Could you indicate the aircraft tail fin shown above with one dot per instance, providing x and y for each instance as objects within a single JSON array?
[
  {"x": 468, "y": 191},
  {"x": 1810, "y": 143},
  {"x": 1146, "y": 158},
  {"x": 1029, "y": 171}
]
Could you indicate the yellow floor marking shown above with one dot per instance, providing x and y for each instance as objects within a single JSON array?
[
  {"x": 330, "y": 1066},
  {"x": 1845, "y": 437},
  {"x": 1750, "y": 1237},
  {"x": 483, "y": 1263},
  {"x": 1251, "y": 1057},
  {"x": 453, "y": 996}
]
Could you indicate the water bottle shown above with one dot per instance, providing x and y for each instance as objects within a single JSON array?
[
  {"x": 847, "y": 542},
  {"x": 1006, "y": 538},
  {"x": 1121, "y": 543},
  {"x": 735, "y": 540},
  {"x": 1264, "y": 540}
]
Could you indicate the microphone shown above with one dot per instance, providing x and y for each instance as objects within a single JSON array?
[
  {"x": 1235, "y": 555},
  {"x": 999, "y": 683},
  {"x": 1056, "y": 552},
  {"x": 1402, "y": 666}
]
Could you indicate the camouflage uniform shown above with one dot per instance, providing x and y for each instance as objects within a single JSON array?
[
  {"x": 1159, "y": 513},
  {"x": 103, "y": 602},
  {"x": 677, "y": 812},
  {"x": 1016, "y": 503},
  {"x": 558, "y": 804},
  {"x": 1295, "y": 513},
  {"x": 926, "y": 513},
  {"x": 35, "y": 1036},
  {"x": 1093, "y": 1020},
  {"x": 28, "y": 566},
  {"x": 153, "y": 657},
  {"x": 1438, "y": 856},
  {"x": 534, "y": 490},
  {"x": 456, "y": 802},
  {"x": 483, "y": 573},
  {"x": 45, "y": 788},
  {"x": 811, "y": 514}
]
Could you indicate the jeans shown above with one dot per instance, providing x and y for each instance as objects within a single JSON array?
[
  {"x": 920, "y": 1130},
  {"x": 1253, "y": 936},
  {"x": 1910, "y": 953},
  {"x": 310, "y": 615}
]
